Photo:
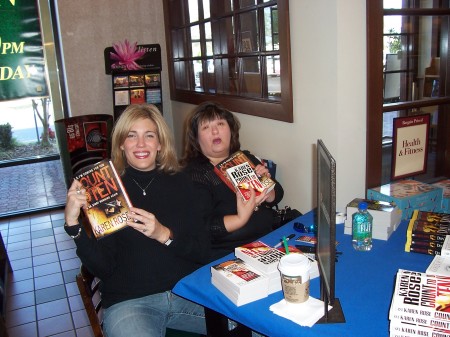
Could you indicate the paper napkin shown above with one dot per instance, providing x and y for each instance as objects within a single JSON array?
[{"x": 305, "y": 314}]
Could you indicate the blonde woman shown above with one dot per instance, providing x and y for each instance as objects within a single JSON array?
[{"x": 164, "y": 241}]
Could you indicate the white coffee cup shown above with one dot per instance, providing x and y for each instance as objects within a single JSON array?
[{"x": 294, "y": 269}]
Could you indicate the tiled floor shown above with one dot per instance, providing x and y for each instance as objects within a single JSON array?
[{"x": 42, "y": 295}]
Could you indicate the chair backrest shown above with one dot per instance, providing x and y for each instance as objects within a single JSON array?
[{"x": 88, "y": 286}]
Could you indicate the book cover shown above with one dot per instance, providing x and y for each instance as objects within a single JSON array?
[
  {"x": 311, "y": 239},
  {"x": 108, "y": 203},
  {"x": 440, "y": 265},
  {"x": 421, "y": 298},
  {"x": 260, "y": 256},
  {"x": 238, "y": 173},
  {"x": 239, "y": 282}
]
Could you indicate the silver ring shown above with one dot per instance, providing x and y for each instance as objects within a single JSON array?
[
  {"x": 256, "y": 208},
  {"x": 78, "y": 191}
]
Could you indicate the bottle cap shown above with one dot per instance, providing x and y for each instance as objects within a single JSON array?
[{"x": 362, "y": 205}]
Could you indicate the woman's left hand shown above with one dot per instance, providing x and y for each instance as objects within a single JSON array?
[
  {"x": 146, "y": 223},
  {"x": 262, "y": 170}
]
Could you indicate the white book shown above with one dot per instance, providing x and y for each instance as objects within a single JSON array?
[
  {"x": 445, "y": 250},
  {"x": 260, "y": 256},
  {"x": 239, "y": 282},
  {"x": 386, "y": 217},
  {"x": 440, "y": 265}
]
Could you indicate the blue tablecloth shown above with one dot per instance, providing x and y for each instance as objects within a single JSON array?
[{"x": 364, "y": 287}]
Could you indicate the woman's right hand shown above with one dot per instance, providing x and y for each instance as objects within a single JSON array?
[
  {"x": 76, "y": 199},
  {"x": 245, "y": 210}
]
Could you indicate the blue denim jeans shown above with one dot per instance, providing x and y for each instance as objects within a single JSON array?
[{"x": 151, "y": 315}]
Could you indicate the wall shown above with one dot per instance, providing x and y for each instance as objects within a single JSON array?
[
  {"x": 96, "y": 26},
  {"x": 329, "y": 86}
]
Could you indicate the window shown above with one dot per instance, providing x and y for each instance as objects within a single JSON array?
[
  {"x": 234, "y": 52},
  {"x": 407, "y": 49}
]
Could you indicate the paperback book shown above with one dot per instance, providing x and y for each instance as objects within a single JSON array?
[
  {"x": 427, "y": 229},
  {"x": 108, "y": 203},
  {"x": 421, "y": 298},
  {"x": 386, "y": 217},
  {"x": 238, "y": 173},
  {"x": 260, "y": 256},
  {"x": 440, "y": 265},
  {"x": 239, "y": 282},
  {"x": 402, "y": 329},
  {"x": 264, "y": 258}
]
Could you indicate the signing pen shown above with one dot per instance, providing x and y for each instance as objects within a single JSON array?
[{"x": 290, "y": 236}]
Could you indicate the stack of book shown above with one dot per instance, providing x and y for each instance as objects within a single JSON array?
[
  {"x": 409, "y": 195},
  {"x": 386, "y": 217},
  {"x": 253, "y": 273},
  {"x": 427, "y": 232},
  {"x": 265, "y": 259},
  {"x": 420, "y": 305},
  {"x": 445, "y": 185},
  {"x": 239, "y": 282}
]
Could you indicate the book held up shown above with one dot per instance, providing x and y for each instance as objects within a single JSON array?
[
  {"x": 238, "y": 173},
  {"x": 108, "y": 202}
]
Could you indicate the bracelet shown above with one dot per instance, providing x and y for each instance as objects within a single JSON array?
[{"x": 76, "y": 236}]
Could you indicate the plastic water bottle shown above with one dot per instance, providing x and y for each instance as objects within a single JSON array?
[{"x": 362, "y": 228}]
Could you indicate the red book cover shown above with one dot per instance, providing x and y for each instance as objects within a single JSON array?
[{"x": 238, "y": 172}]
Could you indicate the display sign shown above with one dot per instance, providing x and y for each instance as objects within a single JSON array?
[
  {"x": 22, "y": 64},
  {"x": 126, "y": 56},
  {"x": 410, "y": 146}
]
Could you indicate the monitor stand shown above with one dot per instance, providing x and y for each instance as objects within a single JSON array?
[{"x": 334, "y": 315}]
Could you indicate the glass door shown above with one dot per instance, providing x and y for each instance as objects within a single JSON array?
[{"x": 30, "y": 167}]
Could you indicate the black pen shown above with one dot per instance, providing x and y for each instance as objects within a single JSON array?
[
  {"x": 290, "y": 236},
  {"x": 306, "y": 249}
]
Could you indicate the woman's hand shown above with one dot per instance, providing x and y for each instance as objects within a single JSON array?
[
  {"x": 245, "y": 210},
  {"x": 262, "y": 170},
  {"x": 146, "y": 223},
  {"x": 76, "y": 199}
]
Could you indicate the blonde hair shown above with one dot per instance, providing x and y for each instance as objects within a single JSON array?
[{"x": 166, "y": 160}]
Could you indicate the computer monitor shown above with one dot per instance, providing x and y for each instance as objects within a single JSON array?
[{"x": 326, "y": 233}]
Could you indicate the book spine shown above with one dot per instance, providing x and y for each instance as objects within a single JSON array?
[
  {"x": 424, "y": 250},
  {"x": 224, "y": 178},
  {"x": 119, "y": 181},
  {"x": 401, "y": 329},
  {"x": 423, "y": 316}
]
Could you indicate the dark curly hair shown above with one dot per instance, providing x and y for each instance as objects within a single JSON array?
[{"x": 207, "y": 111}]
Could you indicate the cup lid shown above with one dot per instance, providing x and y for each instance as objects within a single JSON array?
[{"x": 294, "y": 264}]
